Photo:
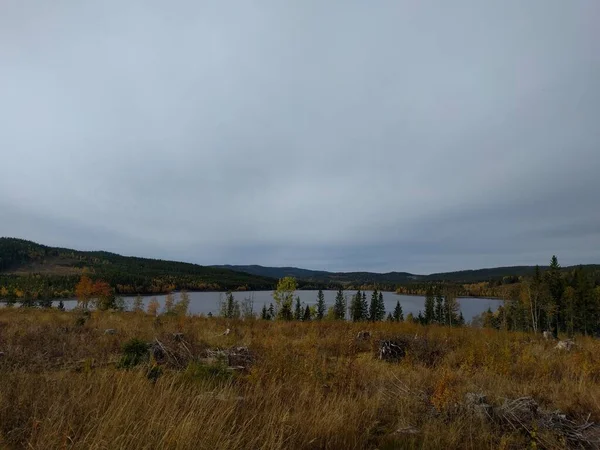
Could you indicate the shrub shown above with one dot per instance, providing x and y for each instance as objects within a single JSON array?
[{"x": 135, "y": 352}]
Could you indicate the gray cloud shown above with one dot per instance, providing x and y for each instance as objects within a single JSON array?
[{"x": 335, "y": 135}]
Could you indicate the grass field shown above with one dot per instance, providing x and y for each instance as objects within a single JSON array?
[{"x": 67, "y": 383}]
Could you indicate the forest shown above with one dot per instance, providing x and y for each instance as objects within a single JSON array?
[{"x": 32, "y": 270}]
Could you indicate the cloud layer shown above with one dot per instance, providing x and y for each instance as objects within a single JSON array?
[{"x": 343, "y": 135}]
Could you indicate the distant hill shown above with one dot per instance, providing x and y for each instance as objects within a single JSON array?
[
  {"x": 318, "y": 276},
  {"x": 28, "y": 265}
]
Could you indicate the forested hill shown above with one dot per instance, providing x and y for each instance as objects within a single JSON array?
[
  {"x": 357, "y": 278},
  {"x": 26, "y": 265},
  {"x": 323, "y": 277}
]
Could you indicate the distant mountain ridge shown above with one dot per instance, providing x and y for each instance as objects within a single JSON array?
[{"x": 320, "y": 276}]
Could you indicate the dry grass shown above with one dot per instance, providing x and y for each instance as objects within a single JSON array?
[{"x": 311, "y": 385}]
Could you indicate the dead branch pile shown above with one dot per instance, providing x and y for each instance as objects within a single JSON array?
[{"x": 524, "y": 414}]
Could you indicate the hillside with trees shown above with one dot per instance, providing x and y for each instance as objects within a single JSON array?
[{"x": 28, "y": 268}]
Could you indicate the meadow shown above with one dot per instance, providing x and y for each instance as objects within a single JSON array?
[{"x": 123, "y": 380}]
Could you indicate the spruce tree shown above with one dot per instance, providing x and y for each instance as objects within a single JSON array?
[
  {"x": 381, "y": 307},
  {"x": 339, "y": 308},
  {"x": 429, "y": 307},
  {"x": 364, "y": 306},
  {"x": 321, "y": 308},
  {"x": 398, "y": 314},
  {"x": 373, "y": 310},
  {"x": 271, "y": 311},
  {"x": 356, "y": 307},
  {"x": 306, "y": 317},
  {"x": 61, "y": 305},
  {"x": 555, "y": 284},
  {"x": 298, "y": 310},
  {"x": 439, "y": 309},
  {"x": 390, "y": 318},
  {"x": 264, "y": 313}
]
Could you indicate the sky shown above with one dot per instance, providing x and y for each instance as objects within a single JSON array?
[{"x": 341, "y": 135}]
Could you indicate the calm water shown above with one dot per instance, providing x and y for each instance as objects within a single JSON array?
[{"x": 205, "y": 302}]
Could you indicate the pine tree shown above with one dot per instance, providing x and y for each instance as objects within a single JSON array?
[
  {"x": 461, "y": 319},
  {"x": 398, "y": 314},
  {"x": 271, "y": 311},
  {"x": 321, "y": 308},
  {"x": 264, "y": 313},
  {"x": 373, "y": 306},
  {"x": 364, "y": 306},
  {"x": 381, "y": 306},
  {"x": 429, "y": 307},
  {"x": 339, "y": 308},
  {"x": 356, "y": 307},
  {"x": 307, "y": 314},
  {"x": 298, "y": 310},
  {"x": 439, "y": 309},
  {"x": 61, "y": 305},
  {"x": 555, "y": 284},
  {"x": 390, "y": 318}
]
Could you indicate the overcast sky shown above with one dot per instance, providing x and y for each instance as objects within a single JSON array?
[{"x": 341, "y": 135}]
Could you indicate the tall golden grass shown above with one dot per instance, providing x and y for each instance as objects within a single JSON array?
[{"x": 312, "y": 385}]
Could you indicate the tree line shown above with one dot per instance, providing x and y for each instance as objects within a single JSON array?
[{"x": 556, "y": 300}]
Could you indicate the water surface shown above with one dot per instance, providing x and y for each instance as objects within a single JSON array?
[{"x": 208, "y": 302}]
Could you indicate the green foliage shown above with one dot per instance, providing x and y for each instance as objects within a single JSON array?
[
  {"x": 339, "y": 308},
  {"x": 321, "y": 307},
  {"x": 298, "y": 313},
  {"x": 430, "y": 307},
  {"x": 134, "y": 352},
  {"x": 216, "y": 373},
  {"x": 126, "y": 275},
  {"x": 230, "y": 307},
  {"x": 358, "y": 309},
  {"x": 377, "y": 307},
  {"x": 398, "y": 314},
  {"x": 284, "y": 297},
  {"x": 307, "y": 314}
]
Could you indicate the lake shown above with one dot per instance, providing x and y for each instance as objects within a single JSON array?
[{"x": 205, "y": 302}]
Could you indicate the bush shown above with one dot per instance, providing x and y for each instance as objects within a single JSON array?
[
  {"x": 216, "y": 373},
  {"x": 135, "y": 352}
]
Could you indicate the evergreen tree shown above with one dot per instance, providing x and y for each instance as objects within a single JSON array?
[
  {"x": 421, "y": 318},
  {"x": 264, "y": 313},
  {"x": 439, "y": 309},
  {"x": 556, "y": 287},
  {"x": 377, "y": 307},
  {"x": 364, "y": 306},
  {"x": 461, "y": 319},
  {"x": 339, "y": 308},
  {"x": 321, "y": 308},
  {"x": 390, "y": 318},
  {"x": 298, "y": 310},
  {"x": 373, "y": 306},
  {"x": 356, "y": 313},
  {"x": 61, "y": 305},
  {"x": 398, "y": 314},
  {"x": 230, "y": 307},
  {"x": 307, "y": 314},
  {"x": 429, "y": 307},
  {"x": 271, "y": 311}
]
